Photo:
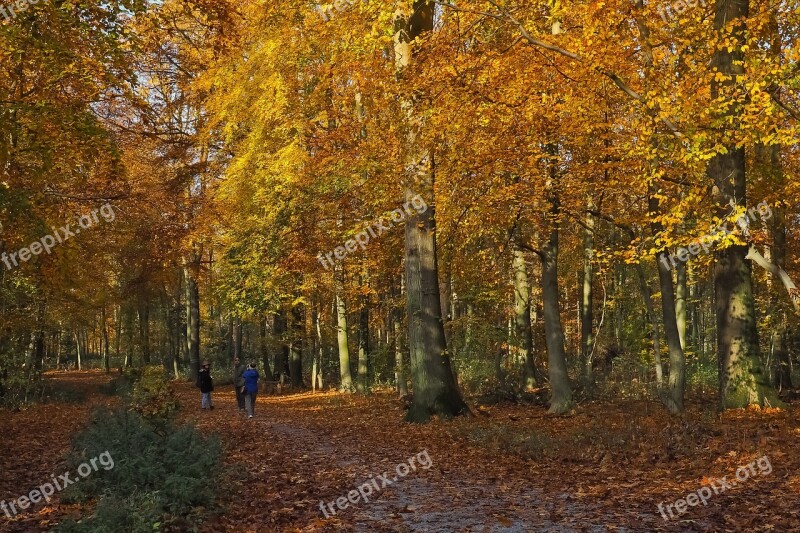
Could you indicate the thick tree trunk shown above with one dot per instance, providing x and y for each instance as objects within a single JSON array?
[
  {"x": 435, "y": 389},
  {"x": 282, "y": 356},
  {"x": 742, "y": 379},
  {"x": 561, "y": 389},
  {"x": 561, "y": 393}
]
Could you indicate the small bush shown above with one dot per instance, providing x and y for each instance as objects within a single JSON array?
[
  {"x": 158, "y": 478},
  {"x": 153, "y": 396}
]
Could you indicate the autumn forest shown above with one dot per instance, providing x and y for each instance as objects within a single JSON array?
[{"x": 534, "y": 258}]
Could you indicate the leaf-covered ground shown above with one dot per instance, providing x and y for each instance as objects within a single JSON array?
[{"x": 509, "y": 468}]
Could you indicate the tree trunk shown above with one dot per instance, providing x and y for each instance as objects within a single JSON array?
[
  {"x": 435, "y": 390},
  {"x": 236, "y": 340},
  {"x": 560, "y": 387},
  {"x": 144, "y": 331},
  {"x": 104, "y": 334},
  {"x": 522, "y": 320},
  {"x": 262, "y": 346},
  {"x": 193, "y": 317},
  {"x": 399, "y": 360},
  {"x": 79, "y": 349},
  {"x": 346, "y": 383},
  {"x": 680, "y": 301},
  {"x": 117, "y": 330},
  {"x": 363, "y": 341},
  {"x": 677, "y": 363},
  {"x": 655, "y": 335},
  {"x": 561, "y": 390},
  {"x": 129, "y": 319},
  {"x": 742, "y": 379},
  {"x": 39, "y": 337},
  {"x": 296, "y": 346},
  {"x": 316, "y": 372},
  {"x": 586, "y": 309},
  {"x": 281, "y": 333}
]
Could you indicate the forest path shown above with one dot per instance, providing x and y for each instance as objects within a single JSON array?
[
  {"x": 306, "y": 451},
  {"x": 606, "y": 467}
]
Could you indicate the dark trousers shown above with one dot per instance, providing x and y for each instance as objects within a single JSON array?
[{"x": 240, "y": 397}]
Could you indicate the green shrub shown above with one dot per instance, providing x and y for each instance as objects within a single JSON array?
[{"x": 161, "y": 475}]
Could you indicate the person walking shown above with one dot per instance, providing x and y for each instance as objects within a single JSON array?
[
  {"x": 250, "y": 389},
  {"x": 206, "y": 384},
  {"x": 238, "y": 383}
]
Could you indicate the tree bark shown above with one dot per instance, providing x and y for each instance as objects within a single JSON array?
[
  {"x": 522, "y": 320},
  {"x": 296, "y": 346},
  {"x": 680, "y": 301},
  {"x": 586, "y": 308},
  {"x": 742, "y": 380},
  {"x": 144, "y": 331},
  {"x": 346, "y": 379},
  {"x": 435, "y": 390},
  {"x": 673, "y": 399},
  {"x": 191, "y": 272},
  {"x": 363, "y": 340},
  {"x": 561, "y": 389},
  {"x": 104, "y": 333},
  {"x": 262, "y": 346},
  {"x": 655, "y": 335}
]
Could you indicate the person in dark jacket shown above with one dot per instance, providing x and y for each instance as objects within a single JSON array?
[
  {"x": 206, "y": 384},
  {"x": 238, "y": 382},
  {"x": 250, "y": 389}
]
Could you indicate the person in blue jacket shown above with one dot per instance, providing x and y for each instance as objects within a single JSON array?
[{"x": 250, "y": 389}]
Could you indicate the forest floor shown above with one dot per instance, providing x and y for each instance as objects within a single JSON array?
[{"x": 509, "y": 468}]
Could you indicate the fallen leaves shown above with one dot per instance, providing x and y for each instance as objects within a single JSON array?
[{"x": 608, "y": 465}]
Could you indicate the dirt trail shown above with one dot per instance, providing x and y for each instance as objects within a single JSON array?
[
  {"x": 449, "y": 496},
  {"x": 605, "y": 468}
]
